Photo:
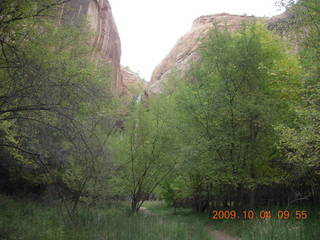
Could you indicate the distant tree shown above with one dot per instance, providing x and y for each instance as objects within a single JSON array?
[{"x": 144, "y": 153}]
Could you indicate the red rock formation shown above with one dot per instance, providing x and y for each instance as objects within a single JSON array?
[
  {"x": 107, "y": 40},
  {"x": 185, "y": 50},
  {"x": 133, "y": 83}
]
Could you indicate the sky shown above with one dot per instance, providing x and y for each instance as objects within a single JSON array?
[{"x": 150, "y": 28}]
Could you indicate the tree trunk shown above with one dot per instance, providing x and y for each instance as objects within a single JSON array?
[{"x": 134, "y": 205}]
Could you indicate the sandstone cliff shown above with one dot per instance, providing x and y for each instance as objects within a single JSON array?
[
  {"x": 132, "y": 82},
  {"x": 185, "y": 50},
  {"x": 107, "y": 40}
]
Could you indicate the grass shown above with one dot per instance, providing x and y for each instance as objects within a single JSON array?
[
  {"x": 257, "y": 229},
  {"x": 274, "y": 229},
  {"x": 183, "y": 214},
  {"x": 25, "y": 220}
]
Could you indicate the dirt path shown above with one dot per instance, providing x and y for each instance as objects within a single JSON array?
[
  {"x": 217, "y": 235},
  {"x": 147, "y": 211}
]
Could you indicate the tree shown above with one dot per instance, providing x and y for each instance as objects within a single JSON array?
[
  {"x": 144, "y": 153},
  {"x": 18, "y": 20},
  {"x": 244, "y": 85},
  {"x": 56, "y": 104},
  {"x": 301, "y": 142}
]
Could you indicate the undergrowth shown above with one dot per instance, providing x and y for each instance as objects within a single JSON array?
[{"x": 25, "y": 220}]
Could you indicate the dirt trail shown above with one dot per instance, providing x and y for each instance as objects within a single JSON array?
[
  {"x": 217, "y": 235},
  {"x": 147, "y": 211}
]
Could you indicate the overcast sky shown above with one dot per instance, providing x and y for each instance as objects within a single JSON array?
[{"x": 149, "y": 28}]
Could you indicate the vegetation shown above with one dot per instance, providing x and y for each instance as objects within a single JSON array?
[
  {"x": 30, "y": 221},
  {"x": 246, "y": 229},
  {"x": 245, "y": 85},
  {"x": 301, "y": 143},
  {"x": 239, "y": 130},
  {"x": 56, "y": 107},
  {"x": 145, "y": 153}
]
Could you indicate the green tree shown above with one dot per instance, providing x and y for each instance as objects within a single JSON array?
[
  {"x": 301, "y": 142},
  {"x": 56, "y": 104},
  {"x": 144, "y": 153},
  {"x": 244, "y": 85}
]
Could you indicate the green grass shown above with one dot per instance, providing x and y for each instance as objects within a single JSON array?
[
  {"x": 183, "y": 215},
  {"x": 271, "y": 229},
  {"x": 275, "y": 229},
  {"x": 27, "y": 220}
]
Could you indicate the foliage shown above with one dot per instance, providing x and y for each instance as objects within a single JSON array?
[
  {"x": 144, "y": 152},
  {"x": 31, "y": 221},
  {"x": 56, "y": 104},
  {"x": 244, "y": 85},
  {"x": 301, "y": 143},
  {"x": 239, "y": 129}
]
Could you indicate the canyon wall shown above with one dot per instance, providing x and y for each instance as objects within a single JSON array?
[
  {"x": 185, "y": 50},
  {"x": 106, "y": 39},
  {"x": 132, "y": 82},
  {"x": 107, "y": 42}
]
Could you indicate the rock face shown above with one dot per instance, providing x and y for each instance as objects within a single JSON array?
[
  {"x": 107, "y": 40},
  {"x": 280, "y": 22},
  {"x": 281, "y": 25},
  {"x": 185, "y": 50},
  {"x": 132, "y": 82}
]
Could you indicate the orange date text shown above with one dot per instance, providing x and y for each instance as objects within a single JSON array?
[{"x": 261, "y": 214}]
